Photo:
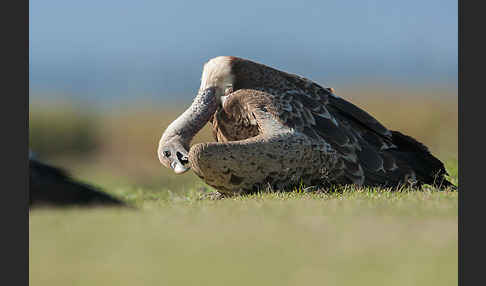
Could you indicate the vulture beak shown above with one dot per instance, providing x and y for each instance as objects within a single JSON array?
[{"x": 180, "y": 165}]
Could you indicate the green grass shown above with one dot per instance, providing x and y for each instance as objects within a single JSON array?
[{"x": 350, "y": 237}]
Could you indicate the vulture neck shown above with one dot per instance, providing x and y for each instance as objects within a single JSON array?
[{"x": 189, "y": 123}]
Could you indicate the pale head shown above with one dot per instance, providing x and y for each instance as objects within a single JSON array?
[{"x": 172, "y": 154}]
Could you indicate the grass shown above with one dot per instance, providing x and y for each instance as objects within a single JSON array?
[{"x": 350, "y": 237}]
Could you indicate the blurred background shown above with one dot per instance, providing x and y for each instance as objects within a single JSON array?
[{"x": 107, "y": 77}]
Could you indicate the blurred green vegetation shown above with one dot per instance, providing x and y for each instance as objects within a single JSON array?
[{"x": 63, "y": 129}]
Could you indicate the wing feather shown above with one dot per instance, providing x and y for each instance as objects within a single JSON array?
[
  {"x": 366, "y": 148},
  {"x": 360, "y": 116}
]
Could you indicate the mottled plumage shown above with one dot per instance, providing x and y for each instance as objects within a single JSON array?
[{"x": 279, "y": 129}]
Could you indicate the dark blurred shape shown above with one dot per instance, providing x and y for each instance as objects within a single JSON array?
[{"x": 53, "y": 186}]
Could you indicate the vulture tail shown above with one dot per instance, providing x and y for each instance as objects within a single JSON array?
[{"x": 428, "y": 169}]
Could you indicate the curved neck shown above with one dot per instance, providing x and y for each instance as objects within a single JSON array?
[{"x": 188, "y": 124}]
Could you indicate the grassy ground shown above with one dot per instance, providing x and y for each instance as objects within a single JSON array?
[{"x": 352, "y": 237}]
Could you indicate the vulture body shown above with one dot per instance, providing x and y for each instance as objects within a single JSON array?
[
  {"x": 281, "y": 130},
  {"x": 52, "y": 186}
]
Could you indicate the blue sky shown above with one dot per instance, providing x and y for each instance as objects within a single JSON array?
[{"x": 105, "y": 49}]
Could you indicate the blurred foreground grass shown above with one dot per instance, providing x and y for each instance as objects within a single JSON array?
[{"x": 352, "y": 238}]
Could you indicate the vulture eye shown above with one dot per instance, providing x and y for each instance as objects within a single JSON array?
[{"x": 167, "y": 153}]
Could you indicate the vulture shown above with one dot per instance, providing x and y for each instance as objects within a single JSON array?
[
  {"x": 54, "y": 187},
  {"x": 277, "y": 129}
]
